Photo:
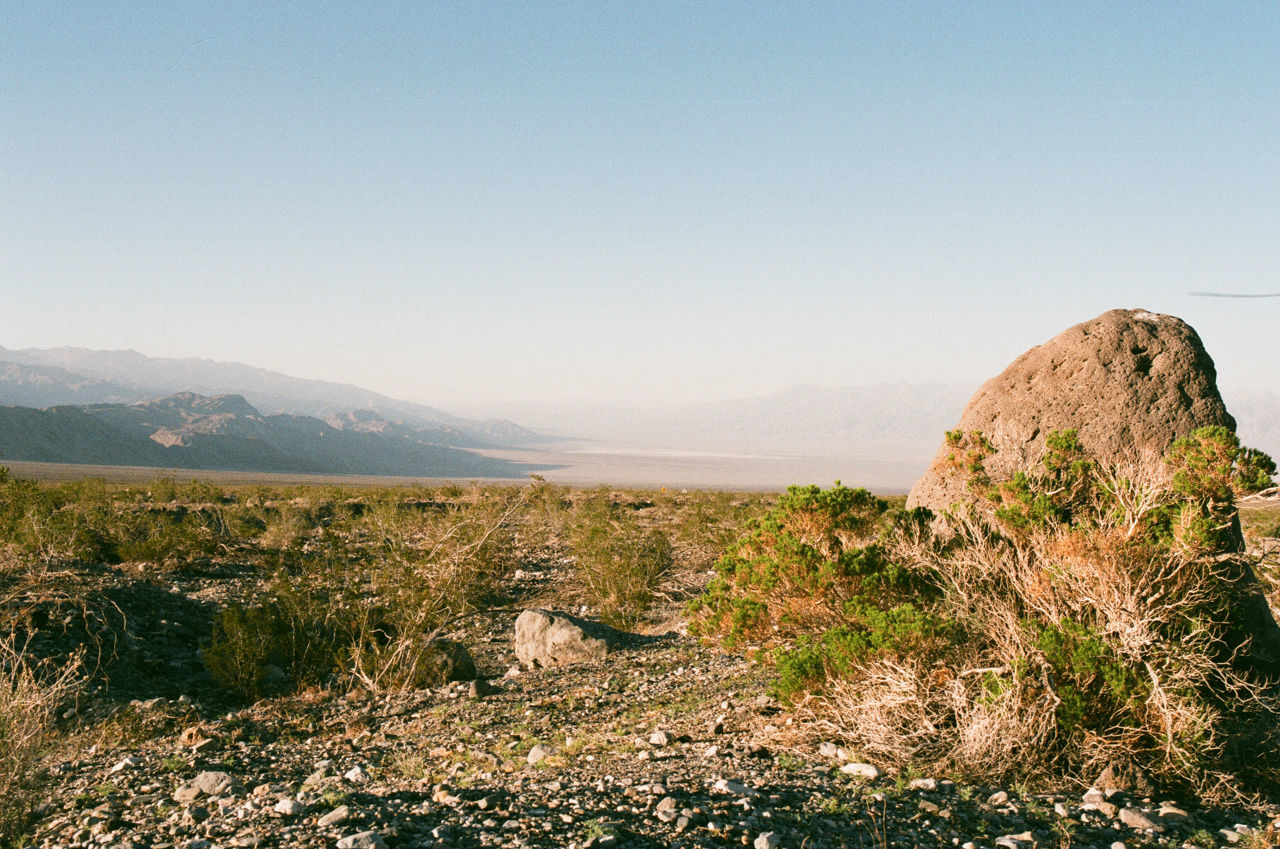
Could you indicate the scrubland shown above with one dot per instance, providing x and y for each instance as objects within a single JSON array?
[{"x": 1082, "y": 616}]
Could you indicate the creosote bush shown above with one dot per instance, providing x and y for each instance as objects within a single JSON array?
[
  {"x": 618, "y": 564},
  {"x": 1077, "y": 613},
  {"x": 815, "y": 584},
  {"x": 366, "y": 597}
]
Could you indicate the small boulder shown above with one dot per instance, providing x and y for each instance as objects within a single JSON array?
[
  {"x": 865, "y": 771},
  {"x": 552, "y": 638}
]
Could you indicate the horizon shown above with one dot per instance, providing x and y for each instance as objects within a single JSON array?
[{"x": 473, "y": 205}]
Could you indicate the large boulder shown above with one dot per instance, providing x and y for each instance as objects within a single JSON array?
[
  {"x": 1129, "y": 381},
  {"x": 552, "y": 638}
]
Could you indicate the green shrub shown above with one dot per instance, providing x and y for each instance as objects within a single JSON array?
[
  {"x": 301, "y": 636},
  {"x": 1097, "y": 688},
  {"x": 1071, "y": 614},
  {"x": 804, "y": 566}
]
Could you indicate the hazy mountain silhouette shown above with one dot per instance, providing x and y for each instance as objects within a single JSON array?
[
  {"x": 900, "y": 421},
  {"x": 105, "y": 403}
]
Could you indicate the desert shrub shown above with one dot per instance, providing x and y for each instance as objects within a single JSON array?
[
  {"x": 812, "y": 563},
  {"x": 618, "y": 563},
  {"x": 31, "y": 695},
  {"x": 366, "y": 601},
  {"x": 1072, "y": 614},
  {"x": 432, "y": 569},
  {"x": 708, "y": 523},
  {"x": 299, "y": 636}
]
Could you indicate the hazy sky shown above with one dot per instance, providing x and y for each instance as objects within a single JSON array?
[{"x": 464, "y": 202}]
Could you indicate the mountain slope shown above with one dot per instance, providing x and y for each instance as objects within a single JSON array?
[
  {"x": 192, "y": 431},
  {"x": 81, "y": 375}
]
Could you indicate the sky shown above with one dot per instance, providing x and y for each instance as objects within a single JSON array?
[{"x": 473, "y": 202}]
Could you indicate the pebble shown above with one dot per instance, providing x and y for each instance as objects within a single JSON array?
[{"x": 1137, "y": 820}]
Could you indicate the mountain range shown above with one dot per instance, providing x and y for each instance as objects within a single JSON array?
[
  {"x": 123, "y": 408},
  {"x": 35, "y": 377},
  {"x": 226, "y": 432}
]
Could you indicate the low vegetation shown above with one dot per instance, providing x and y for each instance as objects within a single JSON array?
[
  {"x": 32, "y": 694},
  {"x": 1075, "y": 616}
]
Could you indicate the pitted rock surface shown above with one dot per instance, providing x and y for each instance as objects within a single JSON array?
[
  {"x": 1130, "y": 382},
  {"x": 551, "y": 638}
]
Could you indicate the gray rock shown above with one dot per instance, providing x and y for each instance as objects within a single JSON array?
[
  {"x": 363, "y": 840},
  {"x": 768, "y": 840},
  {"x": 213, "y": 783},
  {"x": 337, "y": 815},
  {"x": 861, "y": 770},
  {"x": 480, "y": 688},
  {"x": 127, "y": 763},
  {"x": 289, "y": 807},
  {"x": 552, "y": 638},
  {"x": 445, "y": 661},
  {"x": 1136, "y": 819},
  {"x": 538, "y": 754},
  {"x": 735, "y": 788}
]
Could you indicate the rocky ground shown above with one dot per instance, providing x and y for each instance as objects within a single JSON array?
[{"x": 667, "y": 743}]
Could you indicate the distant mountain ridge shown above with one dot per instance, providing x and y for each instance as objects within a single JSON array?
[
  {"x": 225, "y": 432},
  {"x": 902, "y": 421},
  {"x": 47, "y": 377},
  {"x": 199, "y": 409},
  {"x": 899, "y": 420}
]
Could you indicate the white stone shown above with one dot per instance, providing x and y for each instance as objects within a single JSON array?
[
  {"x": 861, "y": 770},
  {"x": 768, "y": 840},
  {"x": 289, "y": 807},
  {"x": 127, "y": 763},
  {"x": 363, "y": 840}
]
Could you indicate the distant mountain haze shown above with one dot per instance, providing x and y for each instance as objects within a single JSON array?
[{"x": 124, "y": 408}]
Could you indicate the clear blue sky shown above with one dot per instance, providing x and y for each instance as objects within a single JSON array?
[{"x": 463, "y": 202}]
